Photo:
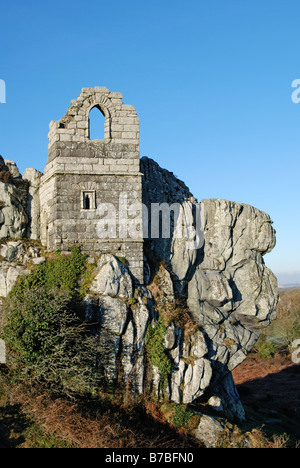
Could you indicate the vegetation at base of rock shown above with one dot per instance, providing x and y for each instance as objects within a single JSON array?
[
  {"x": 156, "y": 352},
  {"x": 63, "y": 272},
  {"x": 234, "y": 437},
  {"x": 33, "y": 419},
  {"x": 281, "y": 333},
  {"x": 48, "y": 343},
  {"x": 46, "y": 339},
  {"x": 265, "y": 349},
  {"x": 182, "y": 416},
  {"x": 86, "y": 278}
]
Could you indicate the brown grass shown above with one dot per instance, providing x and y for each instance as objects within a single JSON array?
[
  {"x": 289, "y": 301},
  {"x": 102, "y": 423}
]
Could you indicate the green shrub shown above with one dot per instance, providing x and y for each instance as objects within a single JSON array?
[
  {"x": 48, "y": 343},
  {"x": 155, "y": 348},
  {"x": 265, "y": 349},
  {"x": 123, "y": 260},
  {"x": 181, "y": 416},
  {"x": 86, "y": 279},
  {"x": 286, "y": 329},
  {"x": 62, "y": 272}
]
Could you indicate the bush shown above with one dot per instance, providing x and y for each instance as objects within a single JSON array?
[
  {"x": 46, "y": 340},
  {"x": 182, "y": 416},
  {"x": 62, "y": 272},
  {"x": 265, "y": 349},
  {"x": 48, "y": 343},
  {"x": 155, "y": 348}
]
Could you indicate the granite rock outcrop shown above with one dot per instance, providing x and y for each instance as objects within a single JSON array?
[{"x": 210, "y": 294}]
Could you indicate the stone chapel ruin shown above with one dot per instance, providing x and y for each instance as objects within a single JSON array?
[
  {"x": 227, "y": 290},
  {"x": 81, "y": 173}
]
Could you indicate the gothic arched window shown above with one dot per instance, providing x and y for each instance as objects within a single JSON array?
[{"x": 96, "y": 124}]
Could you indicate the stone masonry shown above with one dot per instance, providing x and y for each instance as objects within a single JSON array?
[
  {"x": 82, "y": 175},
  {"x": 227, "y": 293}
]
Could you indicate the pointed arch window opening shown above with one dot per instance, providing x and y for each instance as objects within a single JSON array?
[{"x": 97, "y": 124}]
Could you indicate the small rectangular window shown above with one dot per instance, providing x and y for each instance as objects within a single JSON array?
[{"x": 88, "y": 200}]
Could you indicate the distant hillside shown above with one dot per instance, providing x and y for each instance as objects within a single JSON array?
[
  {"x": 286, "y": 328},
  {"x": 288, "y": 280}
]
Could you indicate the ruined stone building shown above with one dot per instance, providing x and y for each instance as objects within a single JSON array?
[
  {"x": 229, "y": 293},
  {"x": 82, "y": 173}
]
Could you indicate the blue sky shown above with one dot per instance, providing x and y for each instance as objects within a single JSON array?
[{"x": 211, "y": 82}]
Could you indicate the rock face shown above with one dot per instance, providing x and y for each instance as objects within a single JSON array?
[
  {"x": 113, "y": 278},
  {"x": 15, "y": 255},
  {"x": 13, "y": 217},
  {"x": 123, "y": 322},
  {"x": 33, "y": 177},
  {"x": 19, "y": 202},
  {"x": 229, "y": 291},
  {"x": 161, "y": 187},
  {"x": 207, "y": 292}
]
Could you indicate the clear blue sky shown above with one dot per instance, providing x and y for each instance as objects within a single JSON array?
[{"x": 211, "y": 82}]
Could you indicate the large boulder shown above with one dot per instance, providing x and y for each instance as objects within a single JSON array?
[
  {"x": 113, "y": 278},
  {"x": 230, "y": 292},
  {"x": 161, "y": 189},
  {"x": 33, "y": 177},
  {"x": 13, "y": 217}
]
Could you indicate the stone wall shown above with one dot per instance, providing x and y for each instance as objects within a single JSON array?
[
  {"x": 102, "y": 171},
  {"x": 121, "y": 122}
]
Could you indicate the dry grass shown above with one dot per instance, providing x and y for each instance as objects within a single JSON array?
[
  {"x": 234, "y": 437},
  {"x": 289, "y": 301},
  {"x": 259, "y": 440},
  {"x": 102, "y": 423}
]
